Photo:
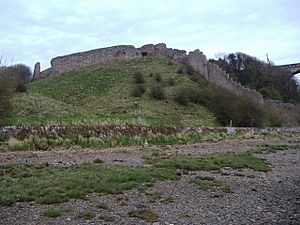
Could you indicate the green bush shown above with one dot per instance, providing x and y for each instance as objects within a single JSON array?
[
  {"x": 179, "y": 71},
  {"x": 21, "y": 87},
  {"x": 225, "y": 105},
  {"x": 182, "y": 96},
  {"x": 158, "y": 78},
  {"x": 195, "y": 95},
  {"x": 171, "y": 81},
  {"x": 158, "y": 92},
  {"x": 138, "y": 90},
  {"x": 5, "y": 97},
  {"x": 270, "y": 93},
  {"x": 138, "y": 77}
]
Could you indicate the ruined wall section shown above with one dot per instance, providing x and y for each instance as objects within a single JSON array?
[
  {"x": 216, "y": 75},
  {"x": 75, "y": 61},
  {"x": 196, "y": 59},
  {"x": 221, "y": 78}
]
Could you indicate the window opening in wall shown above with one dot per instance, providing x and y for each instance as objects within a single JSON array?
[{"x": 144, "y": 54}]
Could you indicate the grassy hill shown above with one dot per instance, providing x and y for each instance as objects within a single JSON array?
[{"x": 102, "y": 94}]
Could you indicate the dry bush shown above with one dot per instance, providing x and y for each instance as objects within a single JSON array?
[
  {"x": 138, "y": 77},
  {"x": 158, "y": 92}
]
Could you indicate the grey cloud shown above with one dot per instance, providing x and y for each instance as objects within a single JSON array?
[{"x": 37, "y": 30}]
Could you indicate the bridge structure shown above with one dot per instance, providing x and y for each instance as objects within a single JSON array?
[{"x": 292, "y": 68}]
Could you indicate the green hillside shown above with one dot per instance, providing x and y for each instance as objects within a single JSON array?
[{"x": 102, "y": 94}]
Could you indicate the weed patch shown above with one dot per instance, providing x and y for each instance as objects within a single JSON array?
[
  {"x": 102, "y": 206},
  {"x": 168, "y": 201},
  {"x": 154, "y": 196},
  {"x": 52, "y": 212},
  {"x": 215, "y": 162},
  {"x": 87, "y": 214},
  {"x": 51, "y": 185},
  {"x": 268, "y": 148},
  {"x": 107, "y": 218},
  {"x": 144, "y": 214},
  {"x": 206, "y": 183}
]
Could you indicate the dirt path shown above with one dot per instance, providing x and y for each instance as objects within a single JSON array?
[{"x": 258, "y": 197}]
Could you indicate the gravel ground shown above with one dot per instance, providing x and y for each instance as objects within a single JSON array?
[{"x": 258, "y": 197}]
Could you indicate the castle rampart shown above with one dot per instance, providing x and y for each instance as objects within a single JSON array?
[{"x": 195, "y": 59}]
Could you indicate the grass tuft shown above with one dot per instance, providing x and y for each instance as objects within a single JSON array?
[
  {"x": 144, "y": 214},
  {"x": 206, "y": 183},
  {"x": 107, "y": 218},
  {"x": 102, "y": 206},
  {"x": 153, "y": 196},
  {"x": 53, "y": 212},
  {"x": 215, "y": 162},
  {"x": 87, "y": 214}
]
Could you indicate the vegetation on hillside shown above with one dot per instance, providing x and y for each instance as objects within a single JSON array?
[
  {"x": 154, "y": 91},
  {"x": 270, "y": 81},
  {"x": 106, "y": 93},
  {"x": 12, "y": 79}
]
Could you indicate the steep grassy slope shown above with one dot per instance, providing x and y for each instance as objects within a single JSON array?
[{"x": 102, "y": 94}]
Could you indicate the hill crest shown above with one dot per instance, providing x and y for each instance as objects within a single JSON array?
[{"x": 196, "y": 59}]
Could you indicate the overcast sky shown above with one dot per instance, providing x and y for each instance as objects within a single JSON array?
[{"x": 38, "y": 30}]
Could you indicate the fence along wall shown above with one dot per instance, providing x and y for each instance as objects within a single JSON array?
[{"x": 196, "y": 59}]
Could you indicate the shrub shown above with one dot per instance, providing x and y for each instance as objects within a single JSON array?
[
  {"x": 158, "y": 92},
  {"x": 182, "y": 96},
  {"x": 21, "y": 87},
  {"x": 241, "y": 110},
  {"x": 171, "y": 81},
  {"x": 270, "y": 93},
  {"x": 158, "y": 78},
  {"x": 179, "y": 71},
  {"x": 225, "y": 105},
  {"x": 189, "y": 70},
  {"x": 138, "y": 90},
  {"x": 273, "y": 115},
  {"x": 247, "y": 113},
  {"x": 185, "y": 95},
  {"x": 5, "y": 96},
  {"x": 138, "y": 77}
]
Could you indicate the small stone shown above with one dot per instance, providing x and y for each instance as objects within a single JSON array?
[
  {"x": 156, "y": 223},
  {"x": 217, "y": 196},
  {"x": 139, "y": 206}
]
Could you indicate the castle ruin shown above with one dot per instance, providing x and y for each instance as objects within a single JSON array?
[{"x": 196, "y": 59}]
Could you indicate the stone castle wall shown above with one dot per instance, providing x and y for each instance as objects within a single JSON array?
[{"x": 195, "y": 59}]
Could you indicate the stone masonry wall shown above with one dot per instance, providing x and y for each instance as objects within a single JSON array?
[{"x": 195, "y": 59}]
